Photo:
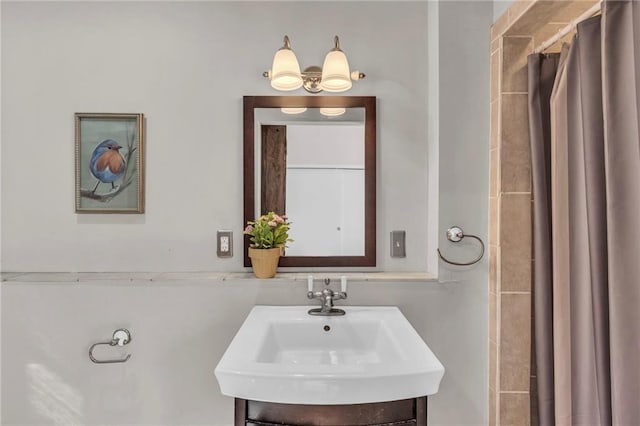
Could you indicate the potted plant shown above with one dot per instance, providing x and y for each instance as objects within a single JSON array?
[{"x": 269, "y": 235}]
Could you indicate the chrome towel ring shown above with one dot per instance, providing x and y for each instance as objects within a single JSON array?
[
  {"x": 120, "y": 338},
  {"x": 456, "y": 234}
]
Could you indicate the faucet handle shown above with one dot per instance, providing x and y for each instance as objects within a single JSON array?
[
  {"x": 310, "y": 293},
  {"x": 343, "y": 284}
]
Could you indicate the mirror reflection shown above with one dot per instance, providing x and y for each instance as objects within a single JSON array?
[
  {"x": 311, "y": 166},
  {"x": 314, "y": 159}
]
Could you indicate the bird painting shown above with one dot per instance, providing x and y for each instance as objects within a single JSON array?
[{"x": 107, "y": 163}]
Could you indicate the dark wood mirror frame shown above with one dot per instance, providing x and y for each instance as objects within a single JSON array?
[{"x": 369, "y": 105}]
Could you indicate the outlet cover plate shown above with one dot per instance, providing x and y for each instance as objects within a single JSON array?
[{"x": 225, "y": 243}]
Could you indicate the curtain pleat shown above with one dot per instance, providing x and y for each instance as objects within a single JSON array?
[
  {"x": 590, "y": 399},
  {"x": 621, "y": 93},
  {"x": 542, "y": 71},
  {"x": 560, "y": 244}
]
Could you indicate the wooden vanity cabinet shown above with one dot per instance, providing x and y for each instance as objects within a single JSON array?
[{"x": 406, "y": 412}]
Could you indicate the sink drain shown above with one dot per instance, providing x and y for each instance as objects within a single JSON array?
[{"x": 326, "y": 328}]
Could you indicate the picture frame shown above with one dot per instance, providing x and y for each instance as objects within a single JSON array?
[{"x": 109, "y": 163}]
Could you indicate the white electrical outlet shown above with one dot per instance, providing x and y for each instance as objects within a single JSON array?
[{"x": 225, "y": 244}]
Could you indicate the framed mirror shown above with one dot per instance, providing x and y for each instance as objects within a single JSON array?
[{"x": 313, "y": 158}]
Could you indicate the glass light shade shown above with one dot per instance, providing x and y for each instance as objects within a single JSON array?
[
  {"x": 335, "y": 72},
  {"x": 293, "y": 110},
  {"x": 285, "y": 71},
  {"x": 332, "y": 112}
]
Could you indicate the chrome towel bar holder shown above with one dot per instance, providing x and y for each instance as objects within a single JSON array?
[
  {"x": 121, "y": 337},
  {"x": 456, "y": 234}
]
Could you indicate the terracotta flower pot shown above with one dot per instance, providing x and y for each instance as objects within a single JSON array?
[{"x": 265, "y": 261}]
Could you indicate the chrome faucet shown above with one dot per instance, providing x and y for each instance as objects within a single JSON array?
[{"x": 327, "y": 296}]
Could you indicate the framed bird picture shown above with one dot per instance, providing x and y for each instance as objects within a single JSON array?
[{"x": 109, "y": 154}]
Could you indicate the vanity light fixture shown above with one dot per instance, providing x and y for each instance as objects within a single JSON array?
[{"x": 334, "y": 76}]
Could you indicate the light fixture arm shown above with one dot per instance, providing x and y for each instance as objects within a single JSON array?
[
  {"x": 287, "y": 43},
  {"x": 336, "y": 41}
]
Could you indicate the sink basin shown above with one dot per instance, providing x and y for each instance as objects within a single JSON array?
[{"x": 372, "y": 354}]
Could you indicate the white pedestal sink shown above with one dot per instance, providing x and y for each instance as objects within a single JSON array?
[{"x": 372, "y": 354}]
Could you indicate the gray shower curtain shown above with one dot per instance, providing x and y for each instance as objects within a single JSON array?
[
  {"x": 586, "y": 176},
  {"x": 621, "y": 94},
  {"x": 542, "y": 71}
]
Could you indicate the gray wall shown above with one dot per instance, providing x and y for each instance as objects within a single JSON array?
[
  {"x": 186, "y": 66},
  {"x": 463, "y": 200},
  {"x": 499, "y": 7}
]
